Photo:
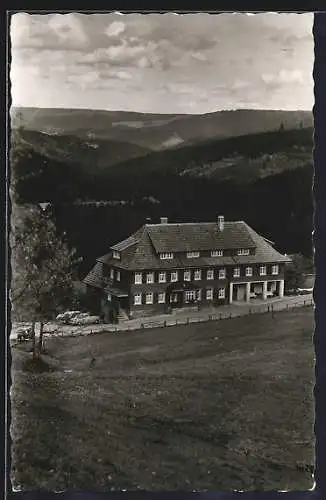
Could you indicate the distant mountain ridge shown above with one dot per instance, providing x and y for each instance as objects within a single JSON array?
[{"x": 156, "y": 131}]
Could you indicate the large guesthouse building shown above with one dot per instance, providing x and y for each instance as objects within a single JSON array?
[{"x": 168, "y": 265}]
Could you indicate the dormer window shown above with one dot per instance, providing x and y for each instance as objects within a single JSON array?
[
  {"x": 243, "y": 251},
  {"x": 116, "y": 255},
  {"x": 166, "y": 256},
  {"x": 192, "y": 255},
  {"x": 217, "y": 253}
]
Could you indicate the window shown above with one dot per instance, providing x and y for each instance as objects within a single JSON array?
[
  {"x": 275, "y": 269},
  {"x": 138, "y": 278},
  {"x": 187, "y": 276},
  {"x": 221, "y": 293},
  {"x": 118, "y": 275},
  {"x": 112, "y": 274},
  {"x": 209, "y": 293},
  {"x": 149, "y": 298},
  {"x": 116, "y": 255},
  {"x": 192, "y": 255},
  {"x": 221, "y": 274},
  {"x": 217, "y": 253},
  {"x": 109, "y": 297},
  {"x": 199, "y": 294},
  {"x": 162, "y": 277},
  {"x": 243, "y": 251},
  {"x": 190, "y": 295},
  {"x": 137, "y": 299},
  {"x": 174, "y": 276},
  {"x": 166, "y": 255},
  {"x": 197, "y": 275},
  {"x": 150, "y": 278},
  {"x": 210, "y": 274},
  {"x": 236, "y": 272},
  {"x": 161, "y": 298},
  {"x": 248, "y": 271},
  {"x": 262, "y": 270}
]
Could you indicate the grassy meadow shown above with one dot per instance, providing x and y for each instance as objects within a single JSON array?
[{"x": 212, "y": 406}]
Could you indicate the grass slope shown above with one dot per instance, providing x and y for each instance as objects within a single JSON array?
[{"x": 212, "y": 406}]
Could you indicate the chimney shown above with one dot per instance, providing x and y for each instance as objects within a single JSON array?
[
  {"x": 220, "y": 222},
  {"x": 164, "y": 220},
  {"x": 148, "y": 220}
]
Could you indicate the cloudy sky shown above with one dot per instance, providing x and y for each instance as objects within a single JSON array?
[{"x": 163, "y": 63}]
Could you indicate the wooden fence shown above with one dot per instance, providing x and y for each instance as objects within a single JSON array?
[
  {"x": 263, "y": 309},
  {"x": 134, "y": 325}
]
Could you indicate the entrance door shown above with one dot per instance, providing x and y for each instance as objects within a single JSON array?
[
  {"x": 176, "y": 299},
  {"x": 241, "y": 292}
]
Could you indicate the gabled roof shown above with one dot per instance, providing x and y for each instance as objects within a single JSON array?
[
  {"x": 140, "y": 250},
  {"x": 265, "y": 252},
  {"x": 95, "y": 278},
  {"x": 128, "y": 242}
]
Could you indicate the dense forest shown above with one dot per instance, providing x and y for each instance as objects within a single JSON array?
[{"x": 279, "y": 205}]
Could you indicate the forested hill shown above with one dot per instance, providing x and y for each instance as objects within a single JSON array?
[
  {"x": 89, "y": 154},
  {"x": 209, "y": 158},
  {"x": 277, "y": 206},
  {"x": 265, "y": 179},
  {"x": 60, "y": 170}
]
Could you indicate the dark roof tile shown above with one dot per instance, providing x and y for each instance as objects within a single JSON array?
[
  {"x": 199, "y": 236},
  {"x": 179, "y": 238}
]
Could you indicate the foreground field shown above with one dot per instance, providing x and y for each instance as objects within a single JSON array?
[{"x": 215, "y": 406}]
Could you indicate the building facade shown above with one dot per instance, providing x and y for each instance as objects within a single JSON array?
[{"x": 171, "y": 265}]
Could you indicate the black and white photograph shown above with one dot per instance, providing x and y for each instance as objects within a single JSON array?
[{"x": 162, "y": 263}]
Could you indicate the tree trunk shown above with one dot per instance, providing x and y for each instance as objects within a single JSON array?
[
  {"x": 40, "y": 339},
  {"x": 34, "y": 339}
]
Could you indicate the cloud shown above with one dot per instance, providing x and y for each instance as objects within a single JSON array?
[
  {"x": 123, "y": 75},
  {"x": 122, "y": 54},
  {"x": 115, "y": 28},
  {"x": 28, "y": 31},
  {"x": 178, "y": 88},
  {"x": 69, "y": 30},
  {"x": 239, "y": 85},
  {"x": 284, "y": 76},
  {"x": 161, "y": 61},
  {"x": 54, "y": 31}
]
